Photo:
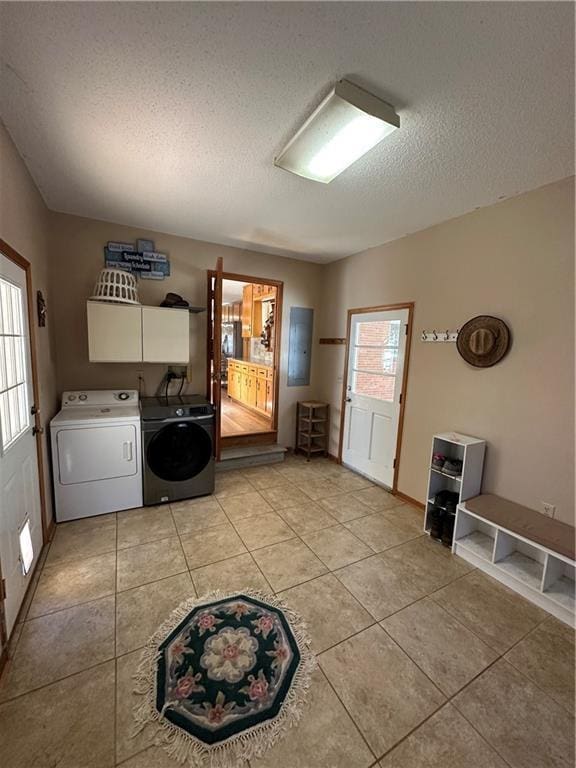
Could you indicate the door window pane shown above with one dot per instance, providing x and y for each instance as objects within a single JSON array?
[
  {"x": 14, "y": 408},
  {"x": 374, "y": 385},
  {"x": 376, "y": 359},
  {"x": 379, "y": 333}
]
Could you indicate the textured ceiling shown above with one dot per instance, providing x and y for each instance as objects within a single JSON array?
[{"x": 168, "y": 115}]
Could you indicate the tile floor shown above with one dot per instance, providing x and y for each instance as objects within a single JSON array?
[{"x": 422, "y": 660}]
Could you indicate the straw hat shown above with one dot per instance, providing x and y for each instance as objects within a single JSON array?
[{"x": 483, "y": 341}]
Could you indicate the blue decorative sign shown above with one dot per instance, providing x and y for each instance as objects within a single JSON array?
[{"x": 148, "y": 264}]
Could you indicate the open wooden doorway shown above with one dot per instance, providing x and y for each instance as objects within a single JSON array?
[{"x": 250, "y": 316}]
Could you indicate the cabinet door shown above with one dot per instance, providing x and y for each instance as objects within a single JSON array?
[
  {"x": 247, "y": 297},
  {"x": 231, "y": 380},
  {"x": 261, "y": 393},
  {"x": 251, "y": 397},
  {"x": 114, "y": 333},
  {"x": 269, "y": 396},
  {"x": 165, "y": 335}
]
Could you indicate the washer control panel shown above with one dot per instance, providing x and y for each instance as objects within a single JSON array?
[{"x": 99, "y": 397}]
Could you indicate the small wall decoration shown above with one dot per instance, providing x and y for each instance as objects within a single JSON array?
[
  {"x": 140, "y": 259},
  {"x": 41, "y": 307},
  {"x": 483, "y": 341}
]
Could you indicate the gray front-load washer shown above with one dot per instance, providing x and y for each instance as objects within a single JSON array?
[{"x": 177, "y": 447}]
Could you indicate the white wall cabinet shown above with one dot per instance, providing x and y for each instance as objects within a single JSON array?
[
  {"x": 122, "y": 333},
  {"x": 165, "y": 335},
  {"x": 114, "y": 333}
]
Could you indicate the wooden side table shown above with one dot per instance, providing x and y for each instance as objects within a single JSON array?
[{"x": 312, "y": 427}]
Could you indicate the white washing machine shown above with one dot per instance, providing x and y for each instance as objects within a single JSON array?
[{"x": 96, "y": 453}]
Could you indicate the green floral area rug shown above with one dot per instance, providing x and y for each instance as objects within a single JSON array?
[{"x": 224, "y": 677}]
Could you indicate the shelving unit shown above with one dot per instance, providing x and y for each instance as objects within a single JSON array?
[
  {"x": 312, "y": 427},
  {"x": 470, "y": 451},
  {"x": 543, "y": 576}
]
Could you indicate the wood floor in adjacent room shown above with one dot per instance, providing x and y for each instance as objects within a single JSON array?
[{"x": 237, "y": 420}]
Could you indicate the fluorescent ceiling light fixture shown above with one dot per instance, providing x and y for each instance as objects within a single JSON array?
[{"x": 346, "y": 125}]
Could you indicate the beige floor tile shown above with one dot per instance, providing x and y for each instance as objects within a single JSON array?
[
  {"x": 381, "y": 589},
  {"x": 195, "y": 514},
  {"x": 263, "y": 477},
  {"x": 149, "y": 562},
  {"x": 406, "y": 517},
  {"x": 69, "y": 724},
  {"x": 345, "y": 507},
  {"x": 336, "y": 546},
  {"x": 261, "y": 531},
  {"x": 14, "y": 639},
  {"x": 246, "y": 505},
  {"x": 378, "y": 533},
  {"x": 211, "y": 545},
  {"x": 57, "y": 645},
  {"x": 305, "y": 518},
  {"x": 72, "y": 582},
  {"x": 376, "y": 498},
  {"x": 140, "y": 611},
  {"x": 300, "y": 474},
  {"x": 139, "y": 526},
  {"x": 128, "y": 740},
  {"x": 72, "y": 542},
  {"x": 320, "y": 489},
  {"x": 351, "y": 482},
  {"x": 325, "y": 737},
  {"x": 400, "y": 695},
  {"x": 546, "y": 656},
  {"x": 153, "y": 757},
  {"x": 525, "y": 726},
  {"x": 330, "y": 611},
  {"x": 288, "y": 563},
  {"x": 84, "y": 524},
  {"x": 431, "y": 563},
  {"x": 283, "y": 496},
  {"x": 446, "y": 740},
  {"x": 442, "y": 647},
  {"x": 231, "y": 483},
  {"x": 497, "y": 615},
  {"x": 234, "y": 574}
]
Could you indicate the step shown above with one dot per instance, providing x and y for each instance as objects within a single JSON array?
[{"x": 240, "y": 457}]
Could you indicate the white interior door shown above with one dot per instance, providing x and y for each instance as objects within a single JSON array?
[
  {"x": 20, "y": 511},
  {"x": 374, "y": 392}
]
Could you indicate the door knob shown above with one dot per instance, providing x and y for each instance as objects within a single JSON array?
[
  {"x": 37, "y": 431},
  {"x": 348, "y": 399}
]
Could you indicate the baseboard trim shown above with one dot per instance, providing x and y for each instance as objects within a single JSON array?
[{"x": 409, "y": 499}]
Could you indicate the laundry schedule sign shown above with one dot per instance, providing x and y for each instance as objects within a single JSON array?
[{"x": 140, "y": 259}]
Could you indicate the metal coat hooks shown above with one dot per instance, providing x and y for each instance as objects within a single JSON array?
[{"x": 439, "y": 336}]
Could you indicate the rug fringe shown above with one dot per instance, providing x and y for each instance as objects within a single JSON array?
[{"x": 242, "y": 746}]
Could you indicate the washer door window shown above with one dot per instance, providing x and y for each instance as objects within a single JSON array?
[{"x": 179, "y": 451}]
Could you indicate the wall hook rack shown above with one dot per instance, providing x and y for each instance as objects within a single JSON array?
[{"x": 439, "y": 336}]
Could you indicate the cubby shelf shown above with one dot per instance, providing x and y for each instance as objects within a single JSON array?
[
  {"x": 470, "y": 451},
  {"x": 543, "y": 576}
]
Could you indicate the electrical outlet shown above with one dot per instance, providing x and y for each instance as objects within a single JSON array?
[
  {"x": 179, "y": 371},
  {"x": 548, "y": 509}
]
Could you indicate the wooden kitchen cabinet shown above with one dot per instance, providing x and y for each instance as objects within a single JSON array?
[{"x": 251, "y": 385}]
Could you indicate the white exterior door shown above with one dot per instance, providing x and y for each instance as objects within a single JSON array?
[
  {"x": 374, "y": 392},
  {"x": 20, "y": 510}
]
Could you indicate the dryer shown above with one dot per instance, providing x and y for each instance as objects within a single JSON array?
[{"x": 96, "y": 453}]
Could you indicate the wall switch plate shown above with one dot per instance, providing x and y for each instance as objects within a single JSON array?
[{"x": 548, "y": 509}]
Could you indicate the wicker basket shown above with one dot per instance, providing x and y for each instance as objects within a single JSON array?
[{"x": 116, "y": 285}]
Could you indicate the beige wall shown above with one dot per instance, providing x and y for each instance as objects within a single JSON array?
[
  {"x": 514, "y": 260},
  {"x": 23, "y": 225},
  {"x": 77, "y": 256}
]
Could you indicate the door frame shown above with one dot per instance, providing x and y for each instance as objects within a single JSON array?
[
  {"x": 279, "y": 285},
  {"x": 24, "y": 264},
  {"x": 409, "y": 305}
]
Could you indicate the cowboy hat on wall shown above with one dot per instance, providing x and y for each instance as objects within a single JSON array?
[{"x": 483, "y": 341}]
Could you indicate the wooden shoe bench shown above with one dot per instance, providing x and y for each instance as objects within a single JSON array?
[{"x": 528, "y": 552}]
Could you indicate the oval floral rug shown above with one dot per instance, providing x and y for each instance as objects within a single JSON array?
[{"x": 224, "y": 677}]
